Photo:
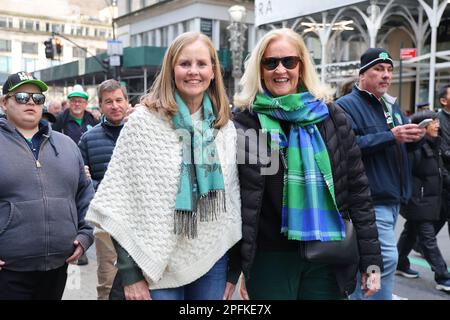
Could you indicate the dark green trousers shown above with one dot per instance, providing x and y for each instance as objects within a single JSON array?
[{"x": 284, "y": 276}]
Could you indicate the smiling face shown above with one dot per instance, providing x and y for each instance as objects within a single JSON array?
[
  {"x": 281, "y": 81},
  {"x": 114, "y": 106},
  {"x": 23, "y": 116},
  {"x": 193, "y": 71},
  {"x": 377, "y": 79}
]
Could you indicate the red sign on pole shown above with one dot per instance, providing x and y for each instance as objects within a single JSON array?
[{"x": 408, "y": 53}]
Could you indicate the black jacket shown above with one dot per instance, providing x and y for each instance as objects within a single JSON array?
[
  {"x": 351, "y": 190},
  {"x": 67, "y": 125},
  {"x": 428, "y": 178},
  {"x": 96, "y": 146}
]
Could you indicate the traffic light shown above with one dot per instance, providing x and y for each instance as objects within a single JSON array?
[
  {"x": 58, "y": 46},
  {"x": 49, "y": 52}
]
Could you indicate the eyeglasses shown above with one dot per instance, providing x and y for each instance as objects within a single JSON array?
[
  {"x": 271, "y": 63},
  {"x": 24, "y": 97}
]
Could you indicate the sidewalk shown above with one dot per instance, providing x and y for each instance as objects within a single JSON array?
[{"x": 82, "y": 280}]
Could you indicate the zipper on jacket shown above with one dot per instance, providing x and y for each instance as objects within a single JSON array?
[{"x": 44, "y": 197}]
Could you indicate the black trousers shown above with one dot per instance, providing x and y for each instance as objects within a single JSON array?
[
  {"x": 424, "y": 231},
  {"x": 33, "y": 285},
  {"x": 440, "y": 223}
]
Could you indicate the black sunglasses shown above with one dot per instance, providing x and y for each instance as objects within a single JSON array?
[
  {"x": 24, "y": 97},
  {"x": 271, "y": 63}
]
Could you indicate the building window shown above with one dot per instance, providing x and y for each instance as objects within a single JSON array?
[
  {"x": 30, "y": 47},
  {"x": 206, "y": 27},
  {"x": 59, "y": 28},
  {"x": 5, "y": 22},
  {"x": 78, "y": 53},
  {"x": 77, "y": 31},
  {"x": 151, "y": 38},
  {"x": 145, "y": 39},
  {"x": 5, "y": 64},
  {"x": 26, "y": 24},
  {"x": 176, "y": 30},
  {"x": 5, "y": 45},
  {"x": 28, "y": 65},
  {"x": 165, "y": 37},
  {"x": 188, "y": 25}
]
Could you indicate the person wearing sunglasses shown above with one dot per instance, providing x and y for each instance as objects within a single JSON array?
[
  {"x": 44, "y": 195},
  {"x": 298, "y": 147}
]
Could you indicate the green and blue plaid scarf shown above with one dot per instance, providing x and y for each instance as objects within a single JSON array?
[
  {"x": 309, "y": 207},
  {"x": 201, "y": 186}
]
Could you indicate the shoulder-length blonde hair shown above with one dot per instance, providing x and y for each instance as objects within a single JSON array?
[
  {"x": 161, "y": 97},
  {"x": 252, "y": 84}
]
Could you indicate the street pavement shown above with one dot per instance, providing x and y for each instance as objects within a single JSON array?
[{"x": 82, "y": 280}]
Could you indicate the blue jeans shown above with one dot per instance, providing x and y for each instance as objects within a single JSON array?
[
  {"x": 386, "y": 217},
  {"x": 210, "y": 286}
]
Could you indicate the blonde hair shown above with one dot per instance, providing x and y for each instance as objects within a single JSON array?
[
  {"x": 161, "y": 97},
  {"x": 251, "y": 82}
]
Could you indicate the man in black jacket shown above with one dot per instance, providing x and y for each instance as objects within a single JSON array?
[
  {"x": 75, "y": 121},
  {"x": 96, "y": 147}
]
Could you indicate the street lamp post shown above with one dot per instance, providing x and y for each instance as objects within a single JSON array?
[{"x": 237, "y": 39}]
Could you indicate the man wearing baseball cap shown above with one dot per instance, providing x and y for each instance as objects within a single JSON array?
[
  {"x": 75, "y": 121},
  {"x": 383, "y": 134},
  {"x": 44, "y": 195}
]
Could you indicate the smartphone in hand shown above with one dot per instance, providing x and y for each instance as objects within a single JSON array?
[{"x": 424, "y": 123}]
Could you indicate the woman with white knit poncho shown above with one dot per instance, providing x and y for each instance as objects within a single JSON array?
[{"x": 170, "y": 198}]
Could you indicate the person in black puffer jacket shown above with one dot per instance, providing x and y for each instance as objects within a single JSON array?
[
  {"x": 268, "y": 254},
  {"x": 423, "y": 209}
]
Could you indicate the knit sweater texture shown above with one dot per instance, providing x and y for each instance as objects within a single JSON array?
[{"x": 136, "y": 200}]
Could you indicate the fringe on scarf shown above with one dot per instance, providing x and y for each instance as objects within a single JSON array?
[{"x": 208, "y": 206}]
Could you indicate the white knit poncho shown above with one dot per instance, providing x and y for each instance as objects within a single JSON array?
[{"x": 136, "y": 200}]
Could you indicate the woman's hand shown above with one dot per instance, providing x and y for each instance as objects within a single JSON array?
[
  {"x": 243, "y": 290},
  {"x": 229, "y": 290},
  {"x": 137, "y": 291},
  {"x": 370, "y": 283}
]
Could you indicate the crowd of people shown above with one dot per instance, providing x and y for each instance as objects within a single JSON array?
[{"x": 183, "y": 194}]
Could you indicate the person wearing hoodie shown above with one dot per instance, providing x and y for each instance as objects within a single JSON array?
[{"x": 44, "y": 196}]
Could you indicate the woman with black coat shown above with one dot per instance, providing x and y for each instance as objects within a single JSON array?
[
  {"x": 423, "y": 209},
  {"x": 286, "y": 189}
]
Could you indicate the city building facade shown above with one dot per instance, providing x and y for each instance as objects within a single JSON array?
[
  {"x": 338, "y": 32},
  {"x": 26, "y": 24}
]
